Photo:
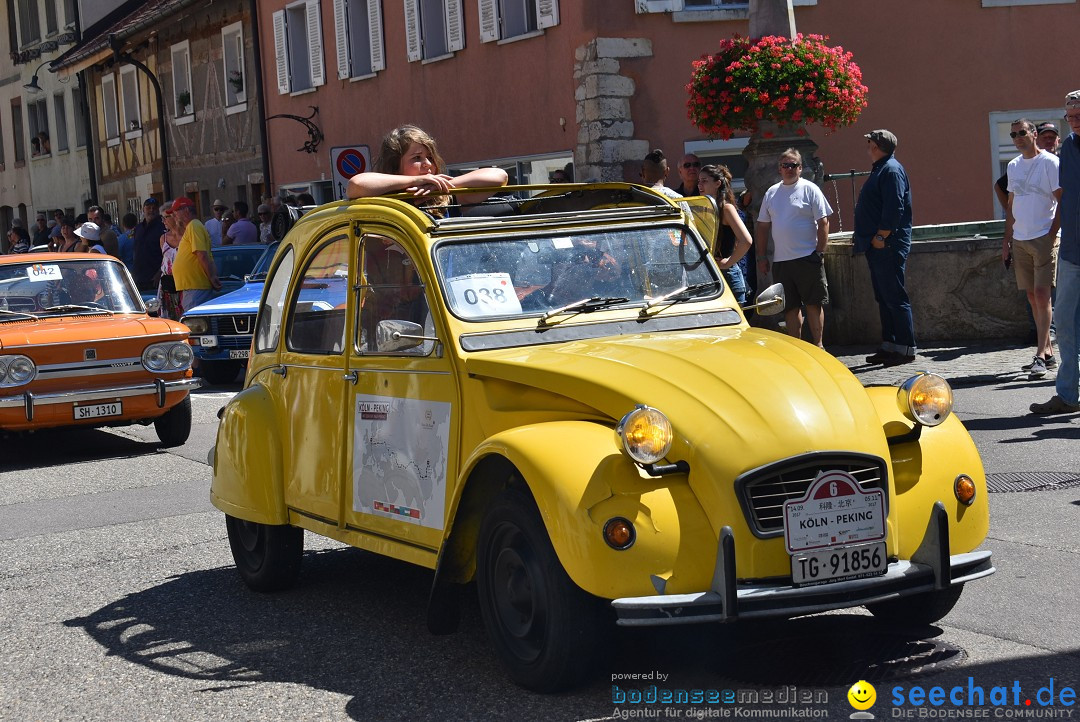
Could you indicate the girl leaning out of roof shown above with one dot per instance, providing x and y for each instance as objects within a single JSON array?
[{"x": 409, "y": 162}]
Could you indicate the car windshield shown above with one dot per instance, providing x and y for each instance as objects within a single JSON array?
[
  {"x": 46, "y": 288},
  {"x": 493, "y": 278},
  {"x": 262, "y": 267},
  {"x": 236, "y": 261}
]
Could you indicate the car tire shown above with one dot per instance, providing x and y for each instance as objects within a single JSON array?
[
  {"x": 545, "y": 628},
  {"x": 219, "y": 373},
  {"x": 174, "y": 426},
  {"x": 267, "y": 556},
  {"x": 920, "y": 610}
]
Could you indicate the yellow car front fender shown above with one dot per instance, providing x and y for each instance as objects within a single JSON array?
[
  {"x": 580, "y": 479},
  {"x": 924, "y": 471},
  {"x": 248, "y": 479}
]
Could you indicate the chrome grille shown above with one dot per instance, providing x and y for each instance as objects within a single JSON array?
[
  {"x": 231, "y": 325},
  {"x": 762, "y": 492}
]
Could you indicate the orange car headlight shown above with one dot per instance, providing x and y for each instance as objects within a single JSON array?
[
  {"x": 926, "y": 399},
  {"x": 645, "y": 434}
]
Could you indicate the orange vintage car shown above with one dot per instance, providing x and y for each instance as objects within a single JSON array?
[{"x": 77, "y": 348}]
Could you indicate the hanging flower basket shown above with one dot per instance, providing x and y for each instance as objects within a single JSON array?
[{"x": 788, "y": 81}]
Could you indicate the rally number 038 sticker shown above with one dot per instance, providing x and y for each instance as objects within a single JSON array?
[
  {"x": 478, "y": 295},
  {"x": 835, "y": 510}
]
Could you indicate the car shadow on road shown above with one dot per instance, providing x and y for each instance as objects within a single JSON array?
[
  {"x": 355, "y": 625},
  {"x": 59, "y": 447}
]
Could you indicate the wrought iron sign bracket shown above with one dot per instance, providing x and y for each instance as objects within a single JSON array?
[{"x": 315, "y": 136}]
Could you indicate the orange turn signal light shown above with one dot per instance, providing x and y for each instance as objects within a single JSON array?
[
  {"x": 964, "y": 488},
  {"x": 619, "y": 533}
]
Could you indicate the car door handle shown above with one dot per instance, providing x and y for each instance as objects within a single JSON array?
[
  {"x": 280, "y": 371},
  {"x": 351, "y": 376}
]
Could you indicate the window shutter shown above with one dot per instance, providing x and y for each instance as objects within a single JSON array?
[
  {"x": 489, "y": 21},
  {"x": 314, "y": 29},
  {"x": 413, "y": 50},
  {"x": 455, "y": 29},
  {"x": 281, "y": 53},
  {"x": 547, "y": 13},
  {"x": 341, "y": 34},
  {"x": 378, "y": 57}
]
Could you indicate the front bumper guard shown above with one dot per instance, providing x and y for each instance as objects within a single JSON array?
[
  {"x": 931, "y": 568},
  {"x": 158, "y": 388}
]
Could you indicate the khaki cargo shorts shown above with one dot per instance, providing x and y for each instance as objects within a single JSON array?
[{"x": 1035, "y": 262}]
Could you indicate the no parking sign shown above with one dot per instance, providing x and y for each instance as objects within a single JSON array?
[{"x": 347, "y": 161}]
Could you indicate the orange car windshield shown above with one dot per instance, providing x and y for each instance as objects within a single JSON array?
[{"x": 43, "y": 288}]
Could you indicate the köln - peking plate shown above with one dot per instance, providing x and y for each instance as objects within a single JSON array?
[{"x": 835, "y": 511}]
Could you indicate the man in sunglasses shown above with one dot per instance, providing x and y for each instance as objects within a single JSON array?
[
  {"x": 1031, "y": 226},
  {"x": 689, "y": 169},
  {"x": 883, "y": 233},
  {"x": 1067, "y": 306},
  {"x": 796, "y": 213}
]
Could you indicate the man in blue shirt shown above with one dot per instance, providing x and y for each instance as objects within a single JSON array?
[
  {"x": 1067, "y": 304},
  {"x": 883, "y": 233}
]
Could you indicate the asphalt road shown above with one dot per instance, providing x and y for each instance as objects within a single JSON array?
[{"x": 118, "y": 600}]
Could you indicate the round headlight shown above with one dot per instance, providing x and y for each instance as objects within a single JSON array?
[
  {"x": 645, "y": 434},
  {"x": 925, "y": 399},
  {"x": 180, "y": 356},
  {"x": 155, "y": 358},
  {"x": 3, "y": 369},
  {"x": 196, "y": 324},
  {"x": 20, "y": 370}
]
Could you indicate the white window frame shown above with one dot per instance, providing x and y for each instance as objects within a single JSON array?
[
  {"x": 130, "y": 74},
  {"x": 284, "y": 54},
  {"x": 680, "y": 14},
  {"x": 343, "y": 31},
  {"x": 34, "y": 110},
  {"x": 491, "y": 25},
  {"x": 29, "y": 22},
  {"x": 715, "y": 149},
  {"x": 232, "y": 60},
  {"x": 52, "y": 19},
  {"x": 60, "y": 141},
  {"x": 109, "y": 103},
  {"x": 1009, "y": 3},
  {"x": 452, "y": 25},
  {"x": 1002, "y": 149},
  {"x": 522, "y": 169},
  {"x": 181, "y": 81}
]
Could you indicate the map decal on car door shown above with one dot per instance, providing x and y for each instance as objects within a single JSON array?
[{"x": 400, "y": 449}]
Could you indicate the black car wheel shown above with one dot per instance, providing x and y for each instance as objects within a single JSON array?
[
  {"x": 174, "y": 426},
  {"x": 267, "y": 556},
  {"x": 920, "y": 610},
  {"x": 543, "y": 626}
]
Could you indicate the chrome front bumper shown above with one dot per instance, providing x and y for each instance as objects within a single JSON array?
[
  {"x": 931, "y": 568},
  {"x": 158, "y": 388}
]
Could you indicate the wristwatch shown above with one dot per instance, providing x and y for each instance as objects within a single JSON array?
[{"x": 879, "y": 237}]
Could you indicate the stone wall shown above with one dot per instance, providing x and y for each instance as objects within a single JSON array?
[
  {"x": 605, "y": 141},
  {"x": 958, "y": 287}
]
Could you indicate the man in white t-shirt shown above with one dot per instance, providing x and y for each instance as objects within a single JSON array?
[
  {"x": 213, "y": 224},
  {"x": 1031, "y": 234},
  {"x": 797, "y": 214}
]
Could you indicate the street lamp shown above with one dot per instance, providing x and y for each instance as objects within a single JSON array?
[{"x": 33, "y": 86}]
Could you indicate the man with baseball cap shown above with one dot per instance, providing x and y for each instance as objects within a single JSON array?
[
  {"x": 1067, "y": 305},
  {"x": 193, "y": 270},
  {"x": 883, "y": 233},
  {"x": 1047, "y": 138}
]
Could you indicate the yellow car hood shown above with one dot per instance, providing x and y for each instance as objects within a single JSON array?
[{"x": 744, "y": 395}]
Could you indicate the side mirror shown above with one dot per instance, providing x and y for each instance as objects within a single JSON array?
[
  {"x": 153, "y": 306},
  {"x": 393, "y": 335},
  {"x": 770, "y": 301}
]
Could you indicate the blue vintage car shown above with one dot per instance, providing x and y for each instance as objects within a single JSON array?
[{"x": 221, "y": 329}]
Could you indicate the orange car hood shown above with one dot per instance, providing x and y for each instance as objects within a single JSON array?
[{"x": 75, "y": 329}]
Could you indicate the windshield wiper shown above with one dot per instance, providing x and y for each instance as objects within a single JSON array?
[
  {"x": 20, "y": 314},
  {"x": 583, "y": 306},
  {"x": 76, "y": 307},
  {"x": 686, "y": 292}
]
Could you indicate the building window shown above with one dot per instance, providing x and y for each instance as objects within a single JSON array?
[
  {"x": 51, "y": 27},
  {"x": 183, "y": 104},
  {"x": 1, "y": 144},
  {"x": 717, "y": 152},
  {"x": 69, "y": 13},
  {"x": 60, "y": 111},
  {"x": 29, "y": 22},
  {"x": 129, "y": 88},
  {"x": 359, "y": 30},
  {"x": 433, "y": 29},
  {"x": 1006, "y": 3},
  {"x": 17, "y": 131},
  {"x": 37, "y": 116},
  {"x": 506, "y": 19},
  {"x": 232, "y": 43},
  {"x": 108, "y": 107},
  {"x": 528, "y": 169},
  {"x": 298, "y": 47},
  {"x": 78, "y": 107},
  {"x": 704, "y": 10}
]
